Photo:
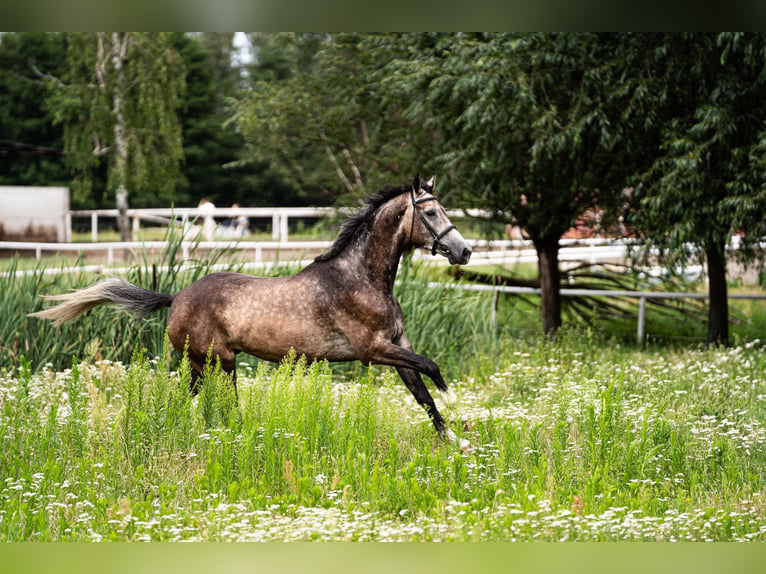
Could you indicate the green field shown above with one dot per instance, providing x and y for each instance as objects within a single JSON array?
[
  {"x": 570, "y": 441},
  {"x": 588, "y": 437}
]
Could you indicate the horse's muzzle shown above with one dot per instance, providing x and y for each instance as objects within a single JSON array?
[
  {"x": 465, "y": 256},
  {"x": 455, "y": 255}
]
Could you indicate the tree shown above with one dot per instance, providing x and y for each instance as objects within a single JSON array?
[
  {"x": 28, "y": 60},
  {"x": 316, "y": 116},
  {"x": 704, "y": 179},
  {"x": 118, "y": 103},
  {"x": 276, "y": 117},
  {"x": 526, "y": 126},
  {"x": 219, "y": 47},
  {"x": 211, "y": 149}
]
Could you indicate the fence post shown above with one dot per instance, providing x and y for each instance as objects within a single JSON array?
[
  {"x": 283, "y": 228},
  {"x": 641, "y": 319},
  {"x": 94, "y": 227}
]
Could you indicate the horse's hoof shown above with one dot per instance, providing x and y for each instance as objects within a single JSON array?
[
  {"x": 463, "y": 444},
  {"x": 449, "y": 398}
]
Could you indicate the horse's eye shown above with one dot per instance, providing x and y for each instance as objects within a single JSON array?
[{"x": 430, "y": 212}]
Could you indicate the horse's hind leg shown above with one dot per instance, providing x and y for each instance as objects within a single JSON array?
[
  {"x": 198, "y": 362},
  {"x": 401, "y": 355}
]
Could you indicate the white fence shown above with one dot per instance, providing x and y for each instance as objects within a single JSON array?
[
  {"x": 485, "y": 252},
  {"x": 642, "y": 296},
  {"x": 187, "y": 247},
  {"x": 279, "y": 216}
]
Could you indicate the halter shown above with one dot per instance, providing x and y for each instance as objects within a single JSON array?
[{"x": 436, "y": 236}]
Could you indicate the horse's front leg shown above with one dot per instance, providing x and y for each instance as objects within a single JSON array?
[
  {"x": 418, "y": 389},
  {"x": 385, "y": 352},
  {"x": 393, "y": 354}
]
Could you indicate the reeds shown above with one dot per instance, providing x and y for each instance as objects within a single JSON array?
[{"x": 449, "y": 326}]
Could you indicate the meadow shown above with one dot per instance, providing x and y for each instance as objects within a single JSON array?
[{"x": 586, "y": 438}]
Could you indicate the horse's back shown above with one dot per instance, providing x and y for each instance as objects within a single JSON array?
[{"x": 262, "y": 316}]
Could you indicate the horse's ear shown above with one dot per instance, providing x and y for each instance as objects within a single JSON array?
[
  {"x": 430, "y": 183},
  {"x": 416, "y": 184}
]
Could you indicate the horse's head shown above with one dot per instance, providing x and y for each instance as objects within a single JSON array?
[{"x": 431, "y": 228}]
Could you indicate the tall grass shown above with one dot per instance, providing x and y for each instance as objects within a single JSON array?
[
  {"x": 584, "y": 438},
  {"x": 450, "y": 326},
  {"x": 102, "y": 333},
  {"x": 569, "y": 443}
]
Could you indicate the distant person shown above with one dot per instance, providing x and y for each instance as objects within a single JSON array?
[
  {"x": 207, "y": 212},
  {"x": 237, "y": 227}
]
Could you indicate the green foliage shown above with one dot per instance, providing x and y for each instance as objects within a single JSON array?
[
  {"x": 30, "y": 62},
  {"x": 570, "y": 441},
  {"x": 702, "y": 180},
  {"x": 210, "y": 147},
  {"x": 278, "y": 117},
  {"x": 706, "y": 180},
  {"x": 317, "y": 117},
  {"x": 118, "y": 103},
  {"x": 524, "y": 122}
]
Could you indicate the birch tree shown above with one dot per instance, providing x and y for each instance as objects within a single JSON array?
[{"x": 118, "y": 105}]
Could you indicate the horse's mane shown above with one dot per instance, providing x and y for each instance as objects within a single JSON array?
[{"x": 360, "y": 220}]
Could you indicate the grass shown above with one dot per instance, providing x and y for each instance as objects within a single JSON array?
[
  {"x": 585, "y": 438},
  {"x": 570, "y": 442}
]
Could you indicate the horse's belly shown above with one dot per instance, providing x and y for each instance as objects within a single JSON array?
[{"x": 328, "y": 347}]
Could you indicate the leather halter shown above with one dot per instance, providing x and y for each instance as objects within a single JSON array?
[{"x": 436, "y": 236}]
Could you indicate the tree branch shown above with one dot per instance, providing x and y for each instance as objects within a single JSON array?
[
  {"x": 100, "y": 61},
  {"x": 346, "y": 183},
  {"x": 46, "y": 76},
  {"x": 354, "y": 168}
]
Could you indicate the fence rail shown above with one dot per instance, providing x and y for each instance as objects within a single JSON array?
[
  {"x": 642, "y": 296},
  {"x": 279, "y": 216},
  {"x": 486, "y": 252},
  {"x": 259, "y": 263}
]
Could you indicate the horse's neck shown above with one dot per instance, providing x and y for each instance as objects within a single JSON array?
[{"x": 376, "y": 257}]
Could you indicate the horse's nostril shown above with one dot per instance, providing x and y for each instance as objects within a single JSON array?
[{"x": 467, "y": 253}]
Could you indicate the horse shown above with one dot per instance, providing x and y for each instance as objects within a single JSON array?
[{"x": 341, "y": 307}]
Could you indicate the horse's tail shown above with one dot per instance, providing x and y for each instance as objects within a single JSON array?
[{"x": 113, "y": 291}]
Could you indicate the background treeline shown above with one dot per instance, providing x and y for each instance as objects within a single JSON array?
[
  {"x": 34, "y": 68},
  {"x": 657, "y": 136}
]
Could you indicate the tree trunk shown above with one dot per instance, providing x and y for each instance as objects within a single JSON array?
[
  {"x": 718, "y": 306},
  {"x": 550, "y": 285},
  {"x": 123, "y": 222},
  {"x": 119, "y": 53}
]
